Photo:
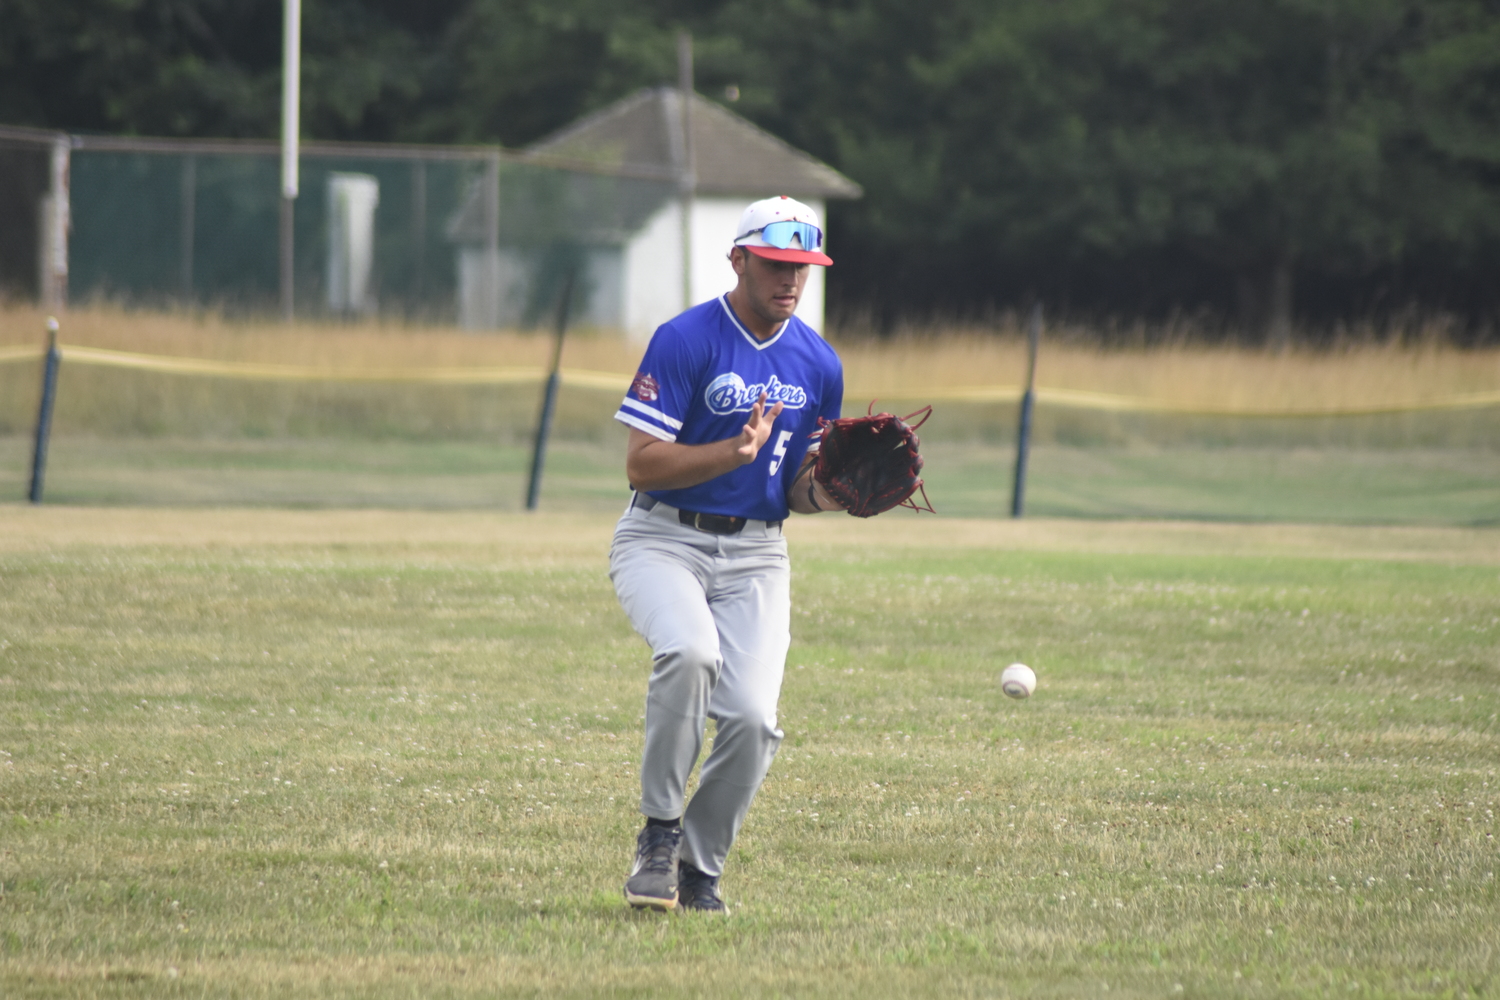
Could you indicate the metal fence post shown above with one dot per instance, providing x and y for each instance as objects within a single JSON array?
[
  {"x": 187, "y": 226},
  {"x": 44, "y": 412},
  {"x": 549, "y": 398},
  {"x": 1028, "y": 401}
]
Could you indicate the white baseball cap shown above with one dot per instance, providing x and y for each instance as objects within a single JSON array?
[{"x": 782, "y": 228}]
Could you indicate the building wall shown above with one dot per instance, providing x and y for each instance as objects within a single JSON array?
[
  {"x": 652, "y": 273},
  {"x": 507, "y": 291},
  {"x": 600, "y": 300},
  {"x": 714, "y": 222}
]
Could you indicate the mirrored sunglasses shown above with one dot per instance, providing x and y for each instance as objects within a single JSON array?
[{"x": 780, "y": 234}]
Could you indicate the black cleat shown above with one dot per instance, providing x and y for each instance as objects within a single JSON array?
[
  {"x": 653, "y": 880},
  {"x": 697, "y": 890}
]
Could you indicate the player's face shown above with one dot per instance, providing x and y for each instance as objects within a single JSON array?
[{"x": 772, "y": 287}]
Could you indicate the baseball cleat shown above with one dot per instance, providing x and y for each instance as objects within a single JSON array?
[
  {"x": 698, "y": 891},
  {"x": 653, "y": 880}
]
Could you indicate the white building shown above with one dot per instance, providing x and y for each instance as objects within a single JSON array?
[{"x": 617, "y": 217}]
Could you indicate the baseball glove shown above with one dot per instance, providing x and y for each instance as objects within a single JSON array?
[{"x": 870, "y": 464}]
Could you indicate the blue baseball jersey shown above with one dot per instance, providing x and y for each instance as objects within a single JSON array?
[{"x": 701, "y": 374}]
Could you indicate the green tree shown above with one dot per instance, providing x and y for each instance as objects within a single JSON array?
[
  {"x": 212, "y": 67},
  {"x": 1043, "y": 146},
  {"x": 1120, "y": 157}
]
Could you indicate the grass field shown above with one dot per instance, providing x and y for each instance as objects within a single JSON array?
[
  {"x": 136, "y": 437},
  {"x": 254, "y": 753},
  {"x": 965, "y": 478}
]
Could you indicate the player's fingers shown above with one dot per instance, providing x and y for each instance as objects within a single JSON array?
[
  {"x": 775, "y": 411},
  {"x": 757, "y": 414},
  {"x": 748, "y": 435},
  {"x": 757, "y": 428}
]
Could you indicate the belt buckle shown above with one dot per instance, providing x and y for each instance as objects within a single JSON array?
[
  {"x": 714, "y": 524},
  {"x": 718, "y": 524}
]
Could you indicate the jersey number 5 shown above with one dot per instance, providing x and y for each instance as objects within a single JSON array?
[{"x": 779, "y": 452}]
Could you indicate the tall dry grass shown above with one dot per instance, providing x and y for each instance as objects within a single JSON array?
[
  {"x": 1183, "y": 373},
  {"x": 371, "y": 344},
  {"x": 1186, "y": 374}
]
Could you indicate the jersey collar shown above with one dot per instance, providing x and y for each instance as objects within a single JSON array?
[{"x": 759, "y": 345}]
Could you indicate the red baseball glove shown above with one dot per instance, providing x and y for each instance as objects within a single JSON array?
[{"x": 870, "y": 464}]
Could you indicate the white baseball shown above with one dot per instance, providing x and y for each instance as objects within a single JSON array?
[{"x": 1018, "y": 680}]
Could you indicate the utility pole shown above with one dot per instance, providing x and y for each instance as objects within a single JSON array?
[
  {"x": 57, "y": 220},
  {"x": 687, "y": 181},
  {"x": 291, "y": 86}
]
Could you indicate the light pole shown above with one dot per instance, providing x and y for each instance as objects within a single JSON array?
[
  {"x": 687, "y": 179},
  {"x": 291, "y": 80}
]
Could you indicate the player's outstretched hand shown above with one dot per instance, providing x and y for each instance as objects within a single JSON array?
[{"x": 757, "y": 429}]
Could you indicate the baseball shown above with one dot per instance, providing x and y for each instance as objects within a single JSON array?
[{"x": 1018, "y": 680}]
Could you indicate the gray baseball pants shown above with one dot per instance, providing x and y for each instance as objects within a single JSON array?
[{"x": 716, "y": 611}]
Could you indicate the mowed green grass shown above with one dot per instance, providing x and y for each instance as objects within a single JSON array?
[
  {"x": 964, "y": 479},
  {"x": 372, "y": 754}
]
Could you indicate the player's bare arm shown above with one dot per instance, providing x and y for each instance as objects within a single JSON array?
[{"x": 654, "y": 464}]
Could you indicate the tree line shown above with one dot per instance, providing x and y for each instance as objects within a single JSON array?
[{"x": 1259, "y": 166}]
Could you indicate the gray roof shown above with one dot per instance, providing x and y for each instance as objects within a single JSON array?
[{"x": 642, "y": 134}]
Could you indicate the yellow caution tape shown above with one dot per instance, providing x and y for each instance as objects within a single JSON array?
[
  {"x": 1110, "y": 402},
  {"x": 607, "y": 381},
  {"x": 960, "y": 394},
  {"x": 615, "y": 382},
  {"x": 579, "y": 378},
  {"x": 294, "y": 373},
  {"x": 303, "y": 373},
  {"x": 8, "y": 354}
]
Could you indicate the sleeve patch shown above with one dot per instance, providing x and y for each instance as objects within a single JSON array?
[{"x": 645, "y": 387}]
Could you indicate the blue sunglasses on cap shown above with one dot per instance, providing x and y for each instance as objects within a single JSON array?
[{"x": 780, "y": 234}]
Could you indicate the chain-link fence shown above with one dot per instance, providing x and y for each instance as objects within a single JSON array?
[
  {"x": 152, "y": 429},
  {"x": 470, "y": 235}
]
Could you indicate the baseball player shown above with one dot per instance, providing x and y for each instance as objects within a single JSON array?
[{"x": 721, "y": 414}]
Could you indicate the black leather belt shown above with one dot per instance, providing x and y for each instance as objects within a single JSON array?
[{"x": 714, "y": 524}]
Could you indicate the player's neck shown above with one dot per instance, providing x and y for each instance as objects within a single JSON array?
[{"x": 759, "y": 327}]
